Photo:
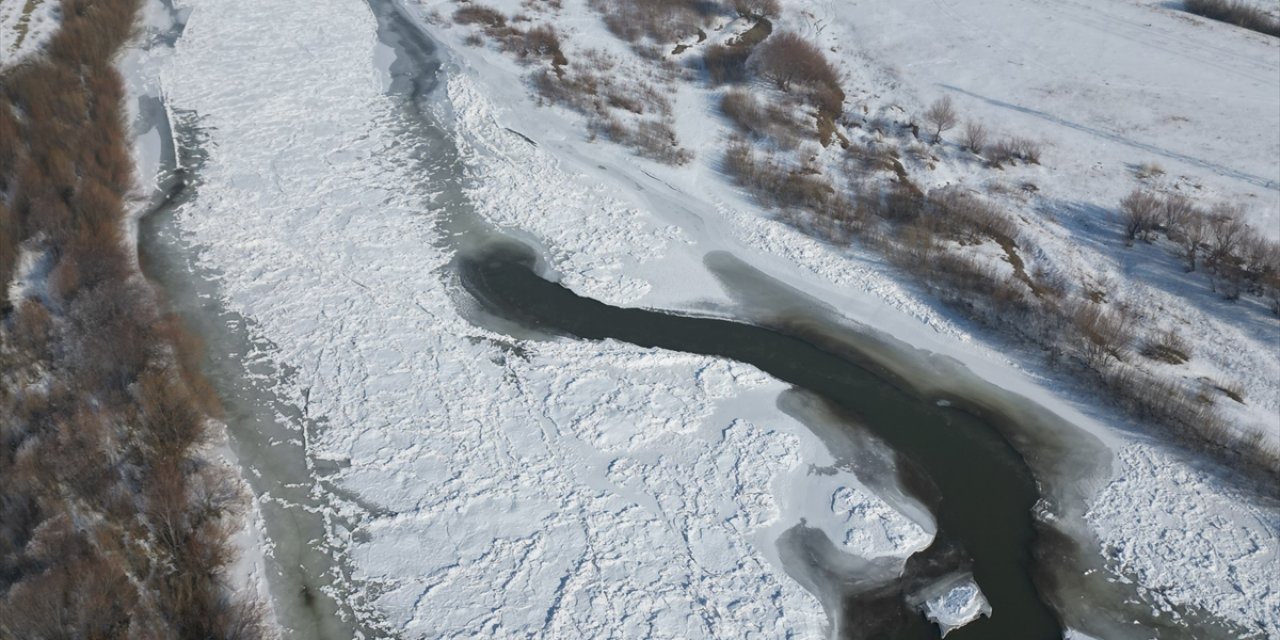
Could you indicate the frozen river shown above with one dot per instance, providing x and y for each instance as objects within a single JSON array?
[{"x": 429, "y": 468}]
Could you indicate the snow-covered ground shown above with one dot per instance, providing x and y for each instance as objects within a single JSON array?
[
  {"x": 25, "y": 25},
  {"x": 585, "y": 489},
  {"x": 1107, "y": 87}
]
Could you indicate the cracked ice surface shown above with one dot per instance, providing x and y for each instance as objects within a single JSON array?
[{"x": 568, "y": 488}]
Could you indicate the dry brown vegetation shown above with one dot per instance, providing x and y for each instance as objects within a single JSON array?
[
  {"x": 923, "y": 233},
  {"x": 793, "y": 63},
  {"x": 636, "y": 114},
  {"x": 662, "y": 21},
  {"x": 1008, "y": 150},
  {"x": 975, "y": 137},
  {"x": 113, "y": 523},
  {"x": 1236, "y": 12}
]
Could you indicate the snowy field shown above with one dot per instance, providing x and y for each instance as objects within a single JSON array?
[
  {"x": 25, "y": 25},
  {"x": 577, "y": 489}
]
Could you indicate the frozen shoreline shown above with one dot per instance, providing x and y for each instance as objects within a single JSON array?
[{"x": 154, "y": 161}]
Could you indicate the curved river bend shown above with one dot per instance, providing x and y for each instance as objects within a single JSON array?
[
  {"x": 982, "y": 490},
  {"x": 963, "y": 466}
]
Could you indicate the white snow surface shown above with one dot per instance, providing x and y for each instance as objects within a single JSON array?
[
  {"x": 1196, "y": 541},
  {"x": 567, "y": 489},
  {"x": 25, "y": 26}
]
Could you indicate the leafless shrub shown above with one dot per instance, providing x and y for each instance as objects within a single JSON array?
[
  {"x": 660, "y": 20},
  {"x": 1241, "y": 14},
  {"x": 32, "y": 328},
  {"x": 1105, "y": 334},
  {"x": 975, "y": 137},
  {"x": 902, "y": 203},
  {"x": 1167, "y": 346},
  {"x": 967, "y": 218},
  {"x": 540, "y": 42},
  {"x": 1226, "y": 230},
  {"x": 9, "y": 235},
  {"x": 1192, "y": 234},
  {"x": 775, "y": 184},
  {"x": 9, "y": 142},
  {"x": 745, "y": 110},
  {"x": 787, "y": 59},
  {"x": 579, "y": 91},
  {"x": 1026, "y": 149},
  {"x": 1002, "y": 152},
  {"x": 651, "y": 139},
  {"x": 871, "y": 156},
  {"x": 941, "y": 115},
  {"x": 919, "y": 152},
  {"x": 757, "y": 9},
  {"x": 1163, "y": 401},
  {"x": 1141, "y": 212},
  {"x": 1007, "y": 150},
  {"x": 1177, "y": 209},
  {"x": 726, "y": 63},
  {"x": 1148, "y": 170},
  {"x": 479, "y": 14}
]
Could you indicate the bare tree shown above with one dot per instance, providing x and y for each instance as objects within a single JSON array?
[
  {"x": 1191, "y": 236},
  {"x": 1141, "y": 211},
  {"x": 1106, "y": 334},
  {"x": 975, "y": 137},
  {"x": 787, "y": 58},
  {"x": 942, "y": 116},
  {"x": 1226, "y": 229},
  {"x": 1177, "y": 209}
]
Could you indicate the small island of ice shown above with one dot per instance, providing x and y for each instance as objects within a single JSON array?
[{"x": 953, "y": 602}]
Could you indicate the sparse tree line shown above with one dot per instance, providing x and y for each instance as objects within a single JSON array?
[
  {"x": 1238, "y": 260},
  {"x": 926, "y": 235},
  {"x": 114, "y": 523}
]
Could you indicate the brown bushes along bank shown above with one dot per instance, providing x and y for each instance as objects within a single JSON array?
[{"x": 113, "y": 522}]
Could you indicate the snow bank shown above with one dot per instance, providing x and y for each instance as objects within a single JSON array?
[{"x": 1189, "y": 539}]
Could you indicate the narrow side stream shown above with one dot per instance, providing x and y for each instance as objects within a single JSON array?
[{"x": 981, "y": 491}]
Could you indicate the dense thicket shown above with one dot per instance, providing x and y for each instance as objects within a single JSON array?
[{"x": 113, "y": 523}]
